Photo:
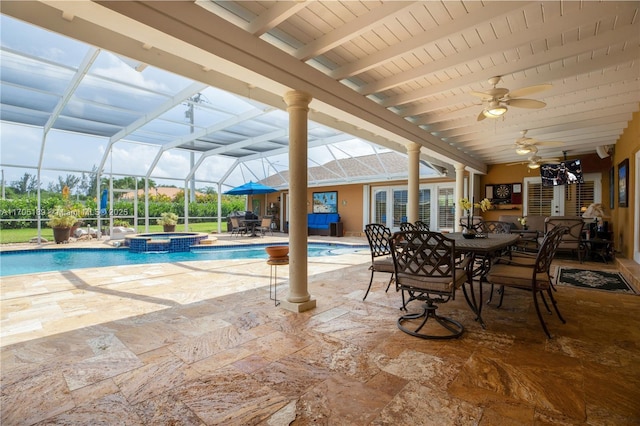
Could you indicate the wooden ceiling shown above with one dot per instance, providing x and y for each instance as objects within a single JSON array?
[{"x": 398, "y": 72}]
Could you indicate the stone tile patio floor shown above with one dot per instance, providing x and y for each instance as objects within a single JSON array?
[{"x": 200, "y": 343}]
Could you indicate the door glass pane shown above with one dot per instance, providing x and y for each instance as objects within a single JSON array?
[
  {"x": 380, "y": 207},
  {"x": 539, "y": 199},
  {"x": 446, "y": 208},
  {"x": 400, "y": 198},
  {"x": 424, "y": 206},
  {"x": 578, "y": 196}
]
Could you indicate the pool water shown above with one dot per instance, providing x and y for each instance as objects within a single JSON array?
[{"x": 45, "y": 260}]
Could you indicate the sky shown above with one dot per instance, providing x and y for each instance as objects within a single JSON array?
[{"x": 37, "y": 67}]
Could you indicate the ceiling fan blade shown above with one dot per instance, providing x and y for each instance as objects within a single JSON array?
[
  {"x": 526, "y": 91},
  {"x": 547, "y": 143},
  {"x": 481, "y": 116},
  {"x": 525, "y": 103},
  {"x": 497, "y": 92},
  {"x": 548, "y": 161},
  {"x": 482, "y": 95},
  {"x": 519, "y": 163}
]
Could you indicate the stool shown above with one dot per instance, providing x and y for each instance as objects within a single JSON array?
[{"x": 273, "y": 276}]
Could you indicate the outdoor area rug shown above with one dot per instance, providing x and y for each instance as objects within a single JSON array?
[{"x": 599, "y": 280}]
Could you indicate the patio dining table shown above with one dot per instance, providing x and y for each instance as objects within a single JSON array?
[
  {"x": 482, "y": 250},
  {"x": 251, "y": 224}
]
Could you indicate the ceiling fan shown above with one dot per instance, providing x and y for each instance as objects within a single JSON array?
[
  {"x": 534, "y": 162},
  {"x": 525, "y": 145},
  {"x": 497, "y": 98}
]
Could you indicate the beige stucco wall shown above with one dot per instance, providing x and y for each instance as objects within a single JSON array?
[
  {"x": 501, "y": 173},
  {"x": 623, "y": 217}
]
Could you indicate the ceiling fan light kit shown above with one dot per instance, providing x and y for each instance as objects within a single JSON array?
[
  {"x": 499, "y": 97},
  {"x": 526, "y": 149},
  {"x": 495, "y": 111}
]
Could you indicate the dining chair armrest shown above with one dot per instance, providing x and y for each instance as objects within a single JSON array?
[
  {"x": 526, "y": 261},
  {"x": 464, "y": 263}
]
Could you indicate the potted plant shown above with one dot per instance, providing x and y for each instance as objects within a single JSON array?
[
  {"x": 168, "y": 220},
  {"x": 61, "y": 220}
]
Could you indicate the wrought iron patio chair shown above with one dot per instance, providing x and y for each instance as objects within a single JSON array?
[
  {"x": 427, "y": 269},
  {"x": 532, "y": 275},
  {"x": 421, "y": 226},
  {"x": 495, "y": 227},
  {"x": 378, "y": 236},
  {"x": 572, "y": 239},
  {"x": 407, "y": 226}
]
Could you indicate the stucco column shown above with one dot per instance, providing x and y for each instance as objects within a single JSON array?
[
  {"x": 413, "y": 186},
  {"x": 458, "y": 195},
  {"x": 298, "y": 299}
]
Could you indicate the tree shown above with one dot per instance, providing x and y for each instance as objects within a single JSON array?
[
  {"x": 25, "y": 185},
  {"x": 70, "y": 181}
]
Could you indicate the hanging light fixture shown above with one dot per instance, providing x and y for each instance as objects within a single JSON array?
[
  {"x": 534, "y": 165},
  {"x": 525, "y": 149},
  {"x": 494, "y": 110}
]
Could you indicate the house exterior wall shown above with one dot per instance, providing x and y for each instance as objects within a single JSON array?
[{"x": 622, "y": 218}]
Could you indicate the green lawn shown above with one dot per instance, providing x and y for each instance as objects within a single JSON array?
[{"x": 8, "y": 236}]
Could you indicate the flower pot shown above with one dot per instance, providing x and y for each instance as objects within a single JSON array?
[
  {"x": 61, "y": 235},
  {"x": 169, "y": 228},
  {"x": 468, "y": 233},
  {"x": 277, "y": 252}
]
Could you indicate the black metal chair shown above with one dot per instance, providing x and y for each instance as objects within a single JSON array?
[
  {"x": 533, "y": 275},
  {"x": 473, "y": 223},
  {"x": 572, "y": 239},
  {"x": 421, "y": 226},
  {"x": 379, "y": 236},
  {"x": 426, "y": 268},
  {"x": 495, "y": 227},
  {"x": 407, "y": 226}
]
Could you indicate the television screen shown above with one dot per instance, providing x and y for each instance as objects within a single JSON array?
[{"x": 563, "y": 173}]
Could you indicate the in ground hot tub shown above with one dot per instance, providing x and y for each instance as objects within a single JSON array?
[{"x": 163, "y": 241}]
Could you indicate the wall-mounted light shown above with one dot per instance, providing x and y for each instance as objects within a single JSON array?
[{"x": 344, "y": 202}]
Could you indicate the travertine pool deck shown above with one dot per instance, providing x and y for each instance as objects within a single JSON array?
[{"x": 200, "y": 343}]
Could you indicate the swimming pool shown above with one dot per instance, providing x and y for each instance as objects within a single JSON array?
[{"x": 45, "y": 260}]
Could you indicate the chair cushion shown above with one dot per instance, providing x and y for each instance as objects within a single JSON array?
[
  {"x": 441, "y": 284},
  {"x": 383, "y": 265},
  {"x": 516, "y": 276}
]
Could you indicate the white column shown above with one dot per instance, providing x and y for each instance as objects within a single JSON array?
[
  {"x": 413, "y": 186},
  {"x": 298, "y": 299},
  {"x": 459, "y": 193}
]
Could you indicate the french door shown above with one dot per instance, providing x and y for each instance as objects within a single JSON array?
[
  {"x": 563, "y": 200},
  {"x": 435, "y": 206}
]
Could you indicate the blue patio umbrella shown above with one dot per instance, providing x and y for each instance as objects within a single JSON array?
[
  {"x": 251, "y": 188},
  {"x": 103, "y": 202}
]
